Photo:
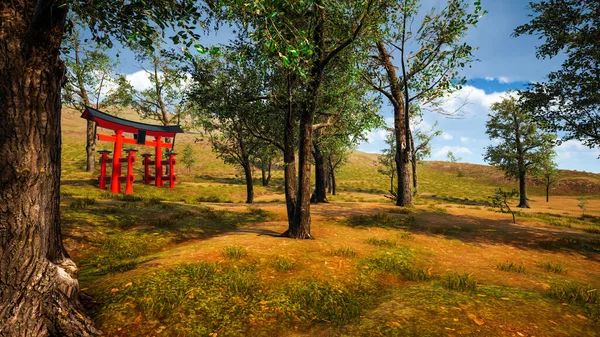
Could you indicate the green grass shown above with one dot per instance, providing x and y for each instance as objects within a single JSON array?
[
  {"x": 460, "y": 282},
  {"x": 381, "y": 242},
  {"x": 399, "y": 261},
  {"x": 284, "y": 264},
  {"x": 344, "y": 252},
  {"x": 234, "y": 252},
  {"x": 553, "y": 267},
  {"x": 511, "y": 267}
]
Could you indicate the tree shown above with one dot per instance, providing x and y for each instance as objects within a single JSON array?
[
  {"x": 336, "y": 156},
  {"x": 421, "y": 149},
  {"x": 89, "y": 72},
  {"x": 522, "y": 147},
  {"x": 266, "y": 155},
  {"x": 548, "y": 172},
  {"x": 426, "y": 74},
  {"x": 569, "y": 100},
  {"x": 163, "y": 101},
  {"x": 187, "y": 157},
  {"x": 220, "y": 96},
  {"x": 38, "y": 280},
  {"x": 501, "y": 198},
  {"x": 304, "y": 38},
  {"x": 386, "y": 162}
]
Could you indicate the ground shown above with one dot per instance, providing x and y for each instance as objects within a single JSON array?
[{"x": 169, "y": 263}]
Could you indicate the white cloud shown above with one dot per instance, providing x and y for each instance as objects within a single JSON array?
[
  {"x": 464, "y": 139},
  {"x": 500, "y": 79},
  {"x": 139, "y": 80},
  {"x": 471, "y": 101},
  {"x": 443, "y": 152},
  {"x": 447, "y": 136}
]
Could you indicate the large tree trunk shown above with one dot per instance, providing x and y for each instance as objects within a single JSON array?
[
  {"x": 249, "y": 182},
  {"x": 523, "y": 203},
  {"x": 320, "y": 194},
  {"x": 39, "y": 292},
  {"x": 289, "y": 153},
  {"x": 404, "y": 193}
]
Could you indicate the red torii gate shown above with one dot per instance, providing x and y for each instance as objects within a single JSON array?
[{"x": 140, "y": 131}]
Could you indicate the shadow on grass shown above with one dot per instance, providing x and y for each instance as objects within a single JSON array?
[
  {"x": 453, "y": 200},
  {"x": 120, "y": 236}
]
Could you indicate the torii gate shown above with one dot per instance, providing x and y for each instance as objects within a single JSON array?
[{"x": 140, "y": 131}]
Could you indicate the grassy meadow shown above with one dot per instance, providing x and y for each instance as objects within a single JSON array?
[{"x": 197, "y": 261}]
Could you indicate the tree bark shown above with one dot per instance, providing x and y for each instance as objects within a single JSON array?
[
  {"x": 415, "y": 176},
  {"x": 263, "y": 173},
  {"x": 402, "y": 159},
  {"x": 547, "y": 191},
  {"x": 289, "y": 153},
  {"x": 320, "y": 194},
  {"x": 523, "y": 202},
  {"x": 38, "y": 285},
  {"x": 249, "y": 182},
  {"x": 333, "y": 187}
]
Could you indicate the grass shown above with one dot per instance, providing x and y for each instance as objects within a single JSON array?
[
  {"x": 553, "y": 267},
  {"x": 381, "y": 242},
  {"x": 344, "y": 252},
  {"x": 511, "y": 267},
  {"x": 399, "y": 262},
  {"x": 234, "y": 252},
  {"x": 284, "y": 264},
  {"x": 460, "y": 282},
  {"x": 163, "y": 263}
]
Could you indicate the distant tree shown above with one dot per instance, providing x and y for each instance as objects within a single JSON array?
[
  {"x": 164, "y": 100},
  {"x": 501, "y": 198},
  {"x": 386, "y": 162},
  {"x": 264, "y": 158},
  {"x": 89, "y": 72},
  {"x": 336, "y": 156},
  {"x": 583, "y": 202},
  {"x": 522, "y": 147},
  {"x": 421, "y": 149},
  {"x": 187, "y": 157},
  {"x": 429, "y": 56},
  {"x": 220, "y": 91},
  {"x": 569, "y": 100},
  {"x": 548, "y": 172},
  {"x": 452, "y": 158}
]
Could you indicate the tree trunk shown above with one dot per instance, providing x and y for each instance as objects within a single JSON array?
[
  {"x": 320, "y": 194},
  {"x": 263, "y": 172},
  {"x": 523, "y": 203},
  {"x": 269, "y": 171},
  {"x": 39, "y": 292},
  {"x": 547, "y": 190},
  {"x": 289, "y": 153},
  {"x": 90, "y": 146},
  {"x": 402, "y": 159},
  {"x": 333, "y": 182},
  {"x": 249, "y": 182},
  {"x": 403, "y": 192},
  {"x": 413, "y": 160}
]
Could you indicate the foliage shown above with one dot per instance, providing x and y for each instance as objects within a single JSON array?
[
  {"x": 422, "y": 139},
  {"x": 187, "y": 157},
  {"x": 501, "y": 198},
  {"x": 583, "y": 202},
  {"x": 548, "y": 172},
  {"x": 569, "y": 100},
  {"x": 386, "y": 161}
]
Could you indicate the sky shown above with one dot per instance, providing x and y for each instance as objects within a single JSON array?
[{"x": 503, "y": 63}]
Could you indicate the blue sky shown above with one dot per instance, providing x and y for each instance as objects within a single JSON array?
[{"x": 504, "y": 63}]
